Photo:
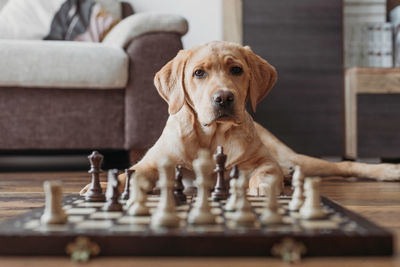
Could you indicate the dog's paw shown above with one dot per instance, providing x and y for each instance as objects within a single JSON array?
[
  {"x": 389, "y": 172},
  {"x": 84, "y": 190},
  {"x": 253, "y": 191},
  {"x": 257, "y": 186}
]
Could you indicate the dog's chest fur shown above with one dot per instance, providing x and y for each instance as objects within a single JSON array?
[{"x": 237, "y": 141}]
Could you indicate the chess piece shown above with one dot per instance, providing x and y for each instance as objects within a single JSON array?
[
  {"x": 234, "y": 172},
  {"x": 128, "y": 175},
  {"x": 220, "y": 189},
  {"x": 311, "y": 208},
  {"x": 53, "y": 212},
  {"x": 270, "y": 214},
  {"x": 112, "y": 203},
  {"x": 203, "y": 168},
  {"x": 243, "y": 215},
  {"x": 95, "y": 193},
  {"x": 233, "y": 190},
  {"x": 166, "y": 214},
  {"x": 298, "y": 194},
  {"x": 180, "y": 197},
  {"x": 139, "y": 186}
]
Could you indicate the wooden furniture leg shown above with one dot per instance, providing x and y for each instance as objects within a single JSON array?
[{"x": 350, "y": 106}]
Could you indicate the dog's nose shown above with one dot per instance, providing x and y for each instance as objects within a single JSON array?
[{"x": 223, "y": 98}]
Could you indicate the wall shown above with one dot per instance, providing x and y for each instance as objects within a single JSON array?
[
  {"x": 208, "y": 19},
  {"x": 2, "y": 3},
  {"x": 303, "y": 40}
]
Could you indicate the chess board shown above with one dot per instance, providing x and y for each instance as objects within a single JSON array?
[{"x": 341, "y": 233}]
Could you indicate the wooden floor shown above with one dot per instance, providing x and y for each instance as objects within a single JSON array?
[{"x": 379, "y": 202}]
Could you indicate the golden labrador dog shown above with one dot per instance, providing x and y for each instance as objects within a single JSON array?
[{"x": 207, "y": 88}]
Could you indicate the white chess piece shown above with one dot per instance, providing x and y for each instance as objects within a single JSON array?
[
  {"x": 53, "y": 211},
  {"x": 298, "y": 194},
  {"x": 311, "y": 208},
  {"x": 270, "y": 214},
  {"x": 203, "y": 168},
  {"x": 231, "y": 203},
  {"x": 137, "y": 202},
  {"x": 166, "y": 214},
  {"x": 243, "y": 215}
]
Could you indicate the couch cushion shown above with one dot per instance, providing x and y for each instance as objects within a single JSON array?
[{"x": 62, "y": 64}]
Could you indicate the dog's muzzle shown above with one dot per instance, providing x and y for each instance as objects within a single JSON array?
[{"x": 223, "y": 102}]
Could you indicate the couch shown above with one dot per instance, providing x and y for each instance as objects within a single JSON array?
[{"x": 63, "y": 95}]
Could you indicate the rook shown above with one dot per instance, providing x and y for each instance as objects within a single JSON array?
[
  {"x": 311, "y": 208},
  {"x": 53, "y": 212}
]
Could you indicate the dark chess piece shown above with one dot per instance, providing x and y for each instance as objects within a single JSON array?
[
  {"x": 95, "y": 193},
  {"x": 180, "y": 197},
  {"x": 126, "y": 193},
  {"x": 220, "y": 189},
  {"x": 112, "y": 203}
]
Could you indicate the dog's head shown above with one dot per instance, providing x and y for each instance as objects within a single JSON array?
[{"x": 215, "y": 80}]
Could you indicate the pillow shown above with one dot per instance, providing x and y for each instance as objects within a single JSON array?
[{"x": 82, "y": 20}]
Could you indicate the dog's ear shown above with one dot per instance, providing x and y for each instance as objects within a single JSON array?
[
  {"x": 263, "y": 76},
  {"x": 169, "y": 82}
]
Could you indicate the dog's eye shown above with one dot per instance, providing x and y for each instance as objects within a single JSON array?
[
  {"x": 200, "y": 74},
  {"x": 236, "y": 70}
]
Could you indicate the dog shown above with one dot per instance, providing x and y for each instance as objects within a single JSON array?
[{"x": 207, "y": 88}]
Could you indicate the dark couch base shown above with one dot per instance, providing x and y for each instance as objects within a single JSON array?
[
  {"x": 33, "y": 118},
  {"x": 59, "y": 160}
]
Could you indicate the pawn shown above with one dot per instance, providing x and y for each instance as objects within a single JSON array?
[
  {"x": 53, "y": 212},
  {"x": 311, "y": 208},
  {"x": 203, "y": 168},
  {"x": 180, "y": 197},
  {"x": 112, "y": 203},
  {"x": 243, "y": 215},
  {"x": 233, "y": 190},
  {"x": 166, "y": 214},
  {"x": 298, "y": 194},
  {"x": 128, "y": 175},
  {"x": 139, "y": 185},
  {"x": 270, "y": 214}
]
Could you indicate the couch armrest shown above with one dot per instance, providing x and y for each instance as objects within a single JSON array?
[
  {"x": 146, "y": 22},
  {"x": 145, "y": 111}
]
